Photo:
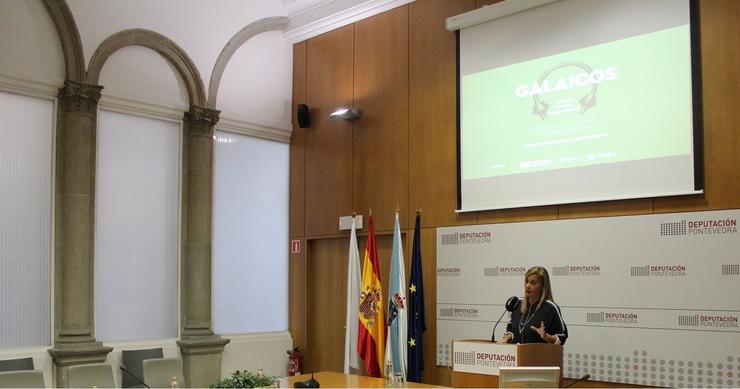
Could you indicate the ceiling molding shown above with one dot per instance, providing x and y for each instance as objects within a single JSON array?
[
  {"x": 28, "y": 83},
  {"x": 298, "y": 33},
  {"x": 140, "y": 108},
  {"x": 279, "y": 133},
  {"x": 296, "y": 8}
]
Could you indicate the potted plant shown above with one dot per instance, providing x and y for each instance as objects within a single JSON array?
[{"x": 246, "y": 379}]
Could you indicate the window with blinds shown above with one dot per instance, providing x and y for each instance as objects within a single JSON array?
[
  {"x": 250, "y": 237},
  {"x": 26, "y": 149},
  {"x": 137, "y": 228}
]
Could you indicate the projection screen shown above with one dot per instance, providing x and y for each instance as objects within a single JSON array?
[{"x": 576, "y": 101}]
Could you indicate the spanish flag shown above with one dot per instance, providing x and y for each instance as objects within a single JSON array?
[{"x": 371, "y": 334}]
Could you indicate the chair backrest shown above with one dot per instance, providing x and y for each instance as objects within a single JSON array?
[
  {"x": 158, "y": 373},
  {"x": 86, "y": 376},
  {"x": 22, "y": 379},
  {"x": 16, "y": 364},
  {"x": 133, "y": 362}
]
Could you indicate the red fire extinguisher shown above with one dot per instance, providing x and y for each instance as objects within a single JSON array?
[{"x": 295, "y": 361}]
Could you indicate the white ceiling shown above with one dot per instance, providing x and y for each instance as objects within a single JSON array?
[
  {"x": 255, "y": 90},
  {"x": 308, "y": 18}
]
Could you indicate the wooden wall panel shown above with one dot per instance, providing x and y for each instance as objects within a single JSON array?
[
  {"x": 405, "y": 127},
  {"x": 549, "y": 212},
  {"x": 432, "y": 114},
  {"x": 325, "y": 314},
  {"x": 606, "y": 208},
  {"x": 297, "y": 296},
  {"x": 720, "y": 57},
  {"x": 298, "y": 146},
  {"x": 480, "y": 3},
  {"x": 381, "y": 165},
  {"x": 326, "y": 293},
  {"x": 329, "y": 65}
]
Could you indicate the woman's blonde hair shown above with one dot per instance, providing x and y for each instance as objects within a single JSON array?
[{"x": 544, "y": 277}]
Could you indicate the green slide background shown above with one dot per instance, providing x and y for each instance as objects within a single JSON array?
[{"x": 644, "y": 113}]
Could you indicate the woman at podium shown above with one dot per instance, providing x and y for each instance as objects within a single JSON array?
[{"x": 538, "y": 319}]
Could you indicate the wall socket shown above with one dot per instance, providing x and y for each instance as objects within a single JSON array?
[{"x": 345, "y": 222}]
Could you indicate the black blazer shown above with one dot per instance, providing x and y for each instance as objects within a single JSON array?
[{"x": 548, "y": 312}]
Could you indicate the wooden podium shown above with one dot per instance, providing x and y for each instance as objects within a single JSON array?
[{"x": 475, "y": 363}]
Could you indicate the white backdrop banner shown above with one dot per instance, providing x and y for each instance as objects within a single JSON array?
[{"x": 649, "y": 300}]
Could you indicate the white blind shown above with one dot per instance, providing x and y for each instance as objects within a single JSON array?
[
  {"x": 136, "y": 228},
  {"x": 250, "y": 255},
  {"x": 25, "y": 220}
]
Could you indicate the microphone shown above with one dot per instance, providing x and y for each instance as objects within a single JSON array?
[
  {"x": 312, "y": 383},
  {"x": 585, "y": 377},
  {"x": 135, "y": 377},
  {"x": 511, "y": 304}
]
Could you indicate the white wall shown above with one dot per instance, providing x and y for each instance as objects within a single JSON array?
[
  {"x": 29, "y": 46},
  {"x": 142, "y": 75},
  {"x": 41, "y": 360},
  {"x": 32, "y": 63},
  {"x": 252, "y": 351},
  {"x": 202, "y": 32},
  {"x": 169, "y": 350},
  {"x": 259, "y": 90}
]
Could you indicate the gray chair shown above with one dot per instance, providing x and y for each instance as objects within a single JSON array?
[
  {"x": 22, "y": 379},
  {"x": 133, "y": 360},
  {"x": 158, "y": 373},
  {"x": 16, "y": 364},
  {"x": 86, "y": 376}
]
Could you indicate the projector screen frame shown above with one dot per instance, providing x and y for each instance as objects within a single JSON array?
[{"x": 696, "y": 97}]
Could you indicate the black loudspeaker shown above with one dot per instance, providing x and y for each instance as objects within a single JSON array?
[{"x": 304, "y": 117}]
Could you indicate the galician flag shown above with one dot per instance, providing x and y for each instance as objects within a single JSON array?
[
  {"x": 371, "y": 338},
  {"x": 351, "y": 358},
  {"x": 397, "y": 320}
]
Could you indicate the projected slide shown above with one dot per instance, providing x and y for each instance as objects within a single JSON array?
[{"x": 626, "y": 100}]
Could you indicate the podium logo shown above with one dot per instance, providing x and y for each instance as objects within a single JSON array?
[
  {"x": 449, "y": 238},
  {"x": 577, "y": 270},
  {"x": 710, "y": 321},
  {"x": 594, "y": 317},
  {"x": 467, "y": 238},
  {"x": 658, "y": 271},
  {"x": 495, "y": 360},
  {"x": 731, "y": 270},
  {"x": 712, "y": 227},
  {"x": 504, "y": 271},
  {"x": 673, "y": 228},
  {"x": 473, "y": 358},
  {"x": 465, "y": 358},
  {"x": 459, "y": 313},
  {"x": 448, "y": 272},
  {"x": 612, "y": 317}
]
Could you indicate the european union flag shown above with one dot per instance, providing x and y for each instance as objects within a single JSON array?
[{"x": 417, "y": 320}]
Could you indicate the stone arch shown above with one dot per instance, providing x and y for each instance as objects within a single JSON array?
[
  {"x": 276, "y": 23},
  {"x": 74, "y": 58},
  {"x": 159, "y": 43}
]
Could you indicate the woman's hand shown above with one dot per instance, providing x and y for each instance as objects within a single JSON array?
[
  {"x": 541, "y": 332},
  {"x": 507, "y": 338}
]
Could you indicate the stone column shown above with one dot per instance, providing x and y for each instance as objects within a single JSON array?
[
  {"x": 74, "y": 222},
  {"x": 201, "y": 349}
]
